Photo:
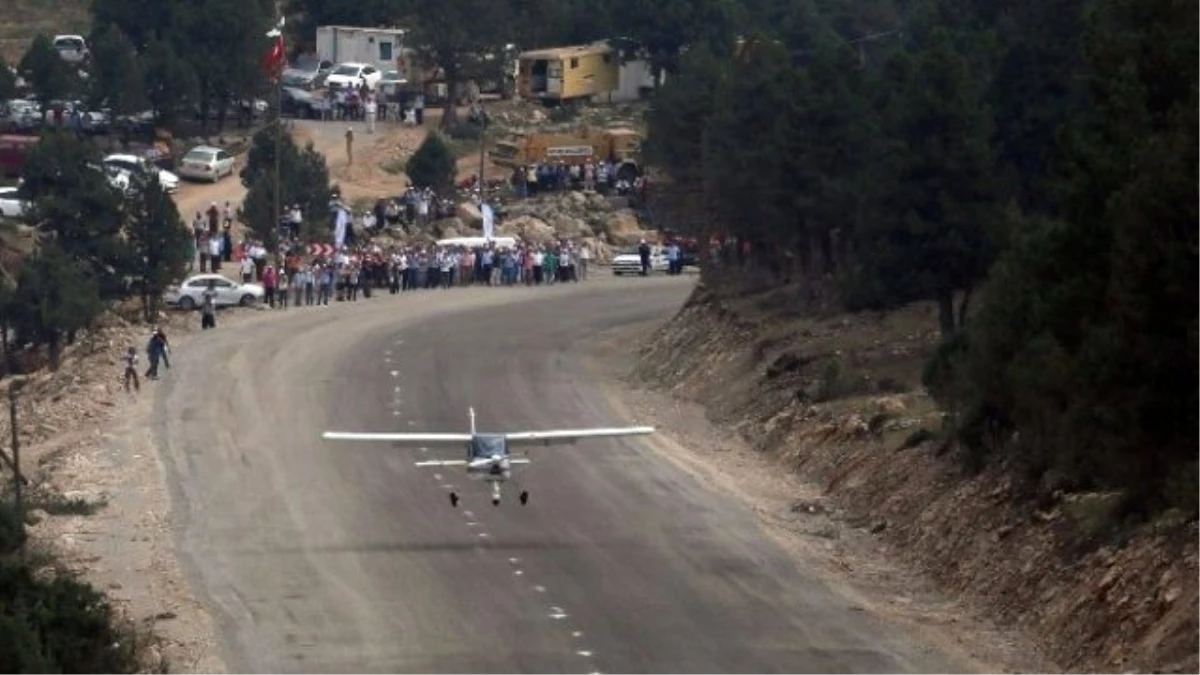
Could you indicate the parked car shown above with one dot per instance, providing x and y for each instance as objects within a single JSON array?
[
  {"x": 21, "y": 115},
  {"x": 354, "y": 75},
  {"x": 205, "y": 162},
  {"x": 630, "y": 262},
  {"x": 299, "y": 103},
  {"x": 190, "y": 294},
  {"x": 72, "y": 48},
  {"x": 390, "y": 83},
  {"x": 12, "y": 206},
  {"x": 137, "y": 165},
  {"x": 307, "y": 74}
]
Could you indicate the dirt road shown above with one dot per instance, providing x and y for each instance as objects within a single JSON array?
[
  {"x": 317, "y": 556},
  {"x": 366, "y": 178}
]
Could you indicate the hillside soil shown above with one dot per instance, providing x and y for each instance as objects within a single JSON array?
[
  {"x": 836, "y": 403},
  {"x": 21, "y": 20}
]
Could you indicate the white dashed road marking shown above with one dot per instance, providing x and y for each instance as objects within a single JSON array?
[{"x": 555, "y": 612}]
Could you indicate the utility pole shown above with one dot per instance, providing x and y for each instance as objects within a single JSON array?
[
  {"x": 483, "y": 123},
  {"x": 278, "y": 146},
  {"x": 19, "y": 480}
]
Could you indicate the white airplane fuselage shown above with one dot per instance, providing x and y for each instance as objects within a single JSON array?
[{"x": 495, "y": 468}]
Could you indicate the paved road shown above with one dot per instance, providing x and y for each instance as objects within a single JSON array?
[{"x": 319, "y": 556}]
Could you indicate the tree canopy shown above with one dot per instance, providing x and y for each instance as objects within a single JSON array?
[{"x": 433, "y": 165}]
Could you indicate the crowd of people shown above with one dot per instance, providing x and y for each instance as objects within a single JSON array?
[
  {"x": 600, "y": 176},
  {"x": 361, "y": 271}
]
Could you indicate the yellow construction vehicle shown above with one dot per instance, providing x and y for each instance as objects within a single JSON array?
[{"x": 620, "y": 145}]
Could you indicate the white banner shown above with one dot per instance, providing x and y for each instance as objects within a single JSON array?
[
  {"x": 489, "y": 221},
  {"x": 339, "y": 232}
]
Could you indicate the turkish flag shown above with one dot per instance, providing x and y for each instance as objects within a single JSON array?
[{"x": 274, "y": 60}]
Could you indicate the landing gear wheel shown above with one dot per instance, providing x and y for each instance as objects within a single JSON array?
[
  {"x": 524, "y": 497},
  {"x": 454, "y": 500}
]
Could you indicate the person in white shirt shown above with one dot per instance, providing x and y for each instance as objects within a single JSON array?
[
  {"x": 538, "y": 257},
  {"x": 214, "y": 253},
  {"x": 585, "y": 256},
  {"x": 247, "y": 269},
  {"x": 372, "y": 110}
]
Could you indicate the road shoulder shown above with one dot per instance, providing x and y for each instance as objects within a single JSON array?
[{"x": 793, "y": 513}]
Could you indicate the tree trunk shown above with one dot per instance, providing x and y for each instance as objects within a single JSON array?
[
  {"x": 55, "y": 349},
  {"x": 146, "y": 300},
  {"x": 10, "y": 362},
  {"x": 450, "y": 110},
  {"x": 946, "y": 313},
  {"x": 962, "y": 307},
  {"x": 205, "y": 101}
]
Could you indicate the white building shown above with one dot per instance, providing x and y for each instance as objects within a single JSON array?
[{"x": 380, "y": 47}]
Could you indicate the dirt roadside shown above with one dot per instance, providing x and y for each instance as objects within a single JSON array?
[
  {"x": 833, "y": 411},
  {"x": 795, "y": 514}
]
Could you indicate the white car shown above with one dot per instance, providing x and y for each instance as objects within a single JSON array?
[
  {"x": 11, "y": 206},
  {"x": 72, "y": 48},
  {"x": 190, "y": 294},
  {"x": 138, "y": 165},
  {"x": 205, "y": 162},
  {"x": 630, "y": 262},
  {"x": 353, "y": 75}
]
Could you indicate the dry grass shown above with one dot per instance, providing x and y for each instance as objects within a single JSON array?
[{"x": 21, "y": 20}]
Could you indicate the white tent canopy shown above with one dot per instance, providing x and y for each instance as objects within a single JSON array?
[{"x": 478, "y": 242}]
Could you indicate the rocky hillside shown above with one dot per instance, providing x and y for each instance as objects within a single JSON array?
[
  {"x": 604, "y": 223},
  {"x": 838, "y": 401}
]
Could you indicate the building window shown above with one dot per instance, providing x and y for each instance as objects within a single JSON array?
[
  {"x": 574, "y": 63},
  {"x": 385, "y": 51}
]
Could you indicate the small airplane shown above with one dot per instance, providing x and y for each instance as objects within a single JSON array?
[{"x": 489, "y": 457}]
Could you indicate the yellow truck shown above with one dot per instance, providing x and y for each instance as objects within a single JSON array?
[
  {"x": 565, "y": 74},
  {"x": 621, "y": 145}
]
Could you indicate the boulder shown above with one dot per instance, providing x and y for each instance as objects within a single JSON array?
[
  {"x": 571, "y": 228},
  {"x": 623, "y": 228},
  {"x": 575, "y": 200},
  {"x": 528, "y": 229},
  {"x": 469, "y": 213},
  {"x": 447, "y": 228},
  {"x": 601, "y": 253}
]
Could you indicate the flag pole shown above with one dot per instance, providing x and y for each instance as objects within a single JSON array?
[
  {"x": 278, "y": 71},
  {"x": 278, "y": 146}
]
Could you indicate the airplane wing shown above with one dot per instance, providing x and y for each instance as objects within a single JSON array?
[
  {"x": 462, "y": 462},
  {"x": 565, "y": 436},
  {"x": 407, "y": 439}
]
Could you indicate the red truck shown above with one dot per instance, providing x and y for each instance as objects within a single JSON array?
[{"x": 13, "y": 150}]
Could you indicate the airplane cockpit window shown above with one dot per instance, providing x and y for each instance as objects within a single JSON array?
[{"x": 487, "y": 446}]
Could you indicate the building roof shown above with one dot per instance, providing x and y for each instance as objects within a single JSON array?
[
  {"x": 365, "y": 29},
  {"x": 567, "y": 52}
]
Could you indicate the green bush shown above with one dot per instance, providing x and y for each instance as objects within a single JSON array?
[
  {"x": 60, "y": 625},
  {"x": 433, "y": 165}
]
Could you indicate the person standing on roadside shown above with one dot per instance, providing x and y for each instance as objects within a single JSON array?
[
  {"x": 208, "y": 307},
  {"x": 154, "y": 353},
  {"x": 131, "y": 375},
  {"x": 372, "y": 109}
]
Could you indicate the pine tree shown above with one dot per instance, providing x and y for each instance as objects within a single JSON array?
[{"x": 433, "y": 165}]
